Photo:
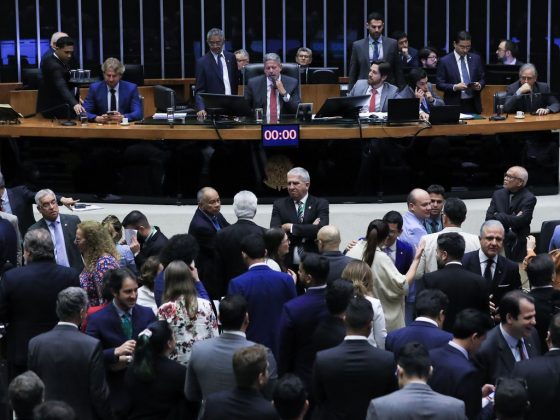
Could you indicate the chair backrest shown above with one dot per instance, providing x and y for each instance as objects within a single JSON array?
[
  {"x": 134, "y": 73},
  {"x": 499, "y": 99},
  {"x": 323, "y": 76},
  {"x": 30, "y": 78},
  {"x": 547, "y": 229}
]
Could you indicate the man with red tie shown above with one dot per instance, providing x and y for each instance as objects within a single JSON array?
[
  {"x": 377, "y": 87},
  {"x": 276, "y": 94}
]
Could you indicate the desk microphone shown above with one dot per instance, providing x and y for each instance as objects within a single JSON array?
[{"x": 67, "y": 123}]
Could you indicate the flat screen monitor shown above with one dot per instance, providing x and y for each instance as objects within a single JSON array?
[
  {"x": 500, "y": 74},
  {"x": 231, "y": 105},
  {"x": 403, "y": 110},
  {"x": 343, "y": 106},
  {"x": 164, "y": 98}
]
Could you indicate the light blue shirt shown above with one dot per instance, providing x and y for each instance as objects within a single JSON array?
[
  {"x": 512, "y": 343},
  {"x": 413, "y": 229}
]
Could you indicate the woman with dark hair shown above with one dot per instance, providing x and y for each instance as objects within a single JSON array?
[
  {"x": 191, "y": 318},
  {"x": 150, "y": 269},
  {"x": 390, "y": 286},
  {"x": 154, "y": 383},
  {"x": 277, "y": 247}
]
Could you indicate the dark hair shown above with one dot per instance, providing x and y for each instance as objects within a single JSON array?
[
  {"x": 338, "y": 295},
  {"x": 462, "y": 36},
  {"x": 540, "y": 270},
  {"x": 359, "y": 313},
  {"x": 64, "y": 41},
  {"x": 511, "y": 398},
  {"x": 248, "y": 364},
  {"x": 455, "y": 210},
  {"x": 115, "y": 278},
  {"x": 415, "y": 75},
  {"x": 179, "y": 282},
  {"x": 54, "y": 410},
  {"x": 470, "y": 321},
  {"x": 383, "y": 66},
  {"x": 435, "y": 188},
  {"x": 425, "y": 52},
  {"x": 182, "y": 247},
  {"x": 273, "y": 238},
  {"x": 134, "y": 219},
  {"x": 394, "y": 217},
  {"x": 510, "y": 46},
  {"x": 509, "y": 304},
  {"x": 25, "y": 392},
  {"x": 414, "y": 359},
  {"x": 399, "y": 35},
  {"x": 316, "y": 266},
  {"x": 376, "y": 233},
  {"x": 430, "y": 302},
  {"x": 554, "y": 329},
  {"x": 149, "y": 271},
  {"x": 289, "y": 396},
  {"x": 452, "y": 243},
  {"x": 232, "y": 310},
  {"x": 375, "y": 16},
  {"x": 253, "y": 245},
  {"x": 149, "y": 345}
]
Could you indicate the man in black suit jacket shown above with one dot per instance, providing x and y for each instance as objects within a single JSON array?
[
  {"x": 69, "y": 362},
  {"x": 502, "y": 275},
  {"x": 216, "y": 72},
  {"x": 28, "y": 296},
  {"x": 328, "y": 242},
  {"x": 62, "y": 228},
  {"x": 9, "y": 245},
  {"x": 283, "y": 89},
  {"x": 148, "y": 241},
  {"x": 543, "y": 377},
  {"x": 300, "y": 215},
  {"x": 205, "y": 224},
  {"x": 463, "y": 288},
  {"x": 513, "y": 206},
  {"x": 342, "y": 375},
  {"x": 513, "y": 340},
  {"x": 244, "y": 401},
  {"x": 228, "y": 260},
  {"x": 375, "y": 47},
  {"x": 55, "y": 98}
]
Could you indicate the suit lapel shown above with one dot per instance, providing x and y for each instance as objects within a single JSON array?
[
  {"x": 308, "y": 212},
  {"x": 498, "y": 273},
  {"x": 504, "y": 352}
]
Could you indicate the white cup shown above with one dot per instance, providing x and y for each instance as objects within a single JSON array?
[
  {"x": 124, "y": 120},
  {"x": 520, "y": 114}
]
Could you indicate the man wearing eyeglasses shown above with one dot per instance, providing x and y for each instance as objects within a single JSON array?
[
  {"x": 528, "y": 95},
  {"x": 428, "y": 58},
  {"x": 513, "y": 206}
]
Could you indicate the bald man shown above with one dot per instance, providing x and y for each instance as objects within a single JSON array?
[
  {"x": 328, "y": 242},
  {"x": 419, "y": 206},
  {"x": 55, "y": 37},
  {"x": 513, "y": 205}
]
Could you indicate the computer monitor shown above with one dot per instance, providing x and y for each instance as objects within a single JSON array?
[
  {"x": 343, "y": 106},
  {"x": 500, "y": 74},
  {"x": 231, "y": 105},
  {"x": 164, "y": 98},
  {"x": 403, "y": 110}
]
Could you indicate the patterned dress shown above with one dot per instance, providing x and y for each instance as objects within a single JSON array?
[
  {"x": 92, "y": 281},
  {"x": 188, "y": 330}
]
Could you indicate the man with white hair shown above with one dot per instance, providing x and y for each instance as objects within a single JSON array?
[
  {"x": 228, "y": 260},
  {"x": 513, "y": 206}
]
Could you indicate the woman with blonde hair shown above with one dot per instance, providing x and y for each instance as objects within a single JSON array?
[
  {"x": 359, "y": 273},
  {"x": 191, "y": 318},
  {"x": 114, "y": 227},
  {"x": 99, "y": 254}
]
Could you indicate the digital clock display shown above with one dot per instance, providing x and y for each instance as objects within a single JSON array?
[{"x": 280, "y": 135}]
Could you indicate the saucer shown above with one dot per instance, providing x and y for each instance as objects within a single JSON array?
[
  {"x": 520, "y": 118},
  {"x": 125, "y": 124}
]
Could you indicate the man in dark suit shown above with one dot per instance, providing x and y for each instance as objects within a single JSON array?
[
  {"x": 401, "y": 252},
  {"x": 542, "y": 375},
  {"x": 113, "y": 95},
  {"x": 216, "y": 72},
  {"x": 300, "y": 215},
  {"x": 431, "y": 306},
  {"x": 463, "y": 288},
  {"x": 69, "y": 362},
  {"x": 300, "y": 317},
  {"x": 117, "y": 326},
  {"x": 513, "y": 206},
  {"x": 513, "y": 340},
  {"x": 210, "y": 366},
  {"x": 207, "y": 221},
  {"x": 328, "y": 242},
  {"x": 525, "y": 94},
  {"x": 276, "y": 94},
  {"x": 52, "y": 47},
  {"x": 266, "y": 292},
  {"x": 500, "y": 273},
  {"x": 454, "y": 373},
  {"x": 55, "y": 98},
  {"x": 228, "y": 261},
  {"x": 376, "y": 85},
  {"x": 407, "y": 54},
  {"x": 62, "y": 228},
  {"x": 28, "y": 296},
  {"x": 507, "y": 53},
  {"x": 245, "y": 400},
  {"x": 148, "y": 241},
  {"x": 342, "y": 375},
  {"x": 460, "y": 75},
  {"x": 9, "y": 245},
  {"x": 375, "y": 47}
]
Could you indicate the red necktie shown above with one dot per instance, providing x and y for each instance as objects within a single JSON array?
[
  {"x": 372, "y": 100},
  {"x": 273, "y": 105}
]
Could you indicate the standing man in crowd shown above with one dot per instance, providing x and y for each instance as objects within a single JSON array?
[
  {"x": 148, "y": 241},
  {"x": 419, "y": 208}
]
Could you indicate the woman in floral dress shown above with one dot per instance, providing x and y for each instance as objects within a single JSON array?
[{"x": 191, "y": 318}]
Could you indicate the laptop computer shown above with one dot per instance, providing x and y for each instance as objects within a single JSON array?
[
  {"x": 403, "y": 110},
  {"x": 446, "y": 114},
  {"x": 343, "y": 106}
]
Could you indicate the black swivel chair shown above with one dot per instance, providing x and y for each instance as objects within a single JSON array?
[
  {"x": 30, "y": 78},
  {"x": 134, "y": 73},
  {"x": 323, "y": 76},
  {"x": 547, "y": 229}
]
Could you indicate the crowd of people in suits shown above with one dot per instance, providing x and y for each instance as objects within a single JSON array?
[{"x": 234, "y": 316}]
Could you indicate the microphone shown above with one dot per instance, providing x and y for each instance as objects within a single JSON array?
[
  {"x": 142, "y": 107},
  {"x": 171, "y": 108},
  {"x": 66, "y": 106}
]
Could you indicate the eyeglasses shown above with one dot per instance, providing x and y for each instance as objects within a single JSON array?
[
  {"x": 510, "y": 177},
  {"x": 432, "y": 57}
]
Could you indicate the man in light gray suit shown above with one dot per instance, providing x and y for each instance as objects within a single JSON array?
[
  {"x": 210, "y": 367},
  {"x": 415, "y": 400},
  {"x": 377, "y": 87}
]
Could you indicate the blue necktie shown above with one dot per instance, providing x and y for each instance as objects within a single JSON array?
[
  {"x": 375, "y": 55},
  {"x": 466, "y": 77},
  {"x": 59, "y": 246},
  {"x": 216, "y": 223},
  {"x": 424, "y": 106},
  {"x": 220, "y": 66}
]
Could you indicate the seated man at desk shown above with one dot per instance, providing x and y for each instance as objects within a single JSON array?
[
  {"x": 276, "y": 94},
  {"x": 419, "y": 87},
  {"x": 528, "y": 95},
  {"x": 113, "y": 98},
  {"x": 376, "y": 86},
  {"x": 55, "y": 98}
]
